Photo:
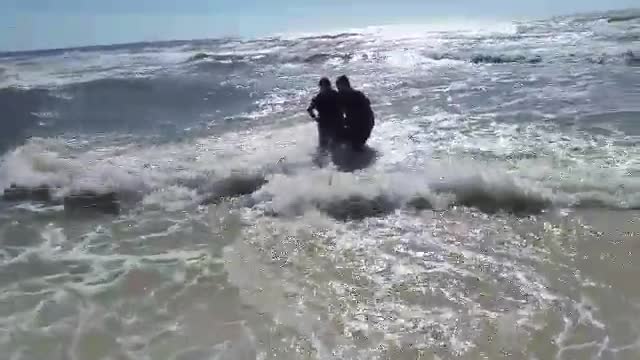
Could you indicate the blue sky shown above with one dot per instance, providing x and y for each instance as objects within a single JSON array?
[{"x": 38, "y": 24}]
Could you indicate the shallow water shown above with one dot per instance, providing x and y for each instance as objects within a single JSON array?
[{"x": 495, "y": 214}]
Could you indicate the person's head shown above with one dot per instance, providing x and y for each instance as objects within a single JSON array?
[
  {"x": 324, "y": 83},
  {"x": 342, "y": 83}
]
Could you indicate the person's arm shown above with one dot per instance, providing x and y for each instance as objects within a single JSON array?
[{"x": 311, "y": 107}]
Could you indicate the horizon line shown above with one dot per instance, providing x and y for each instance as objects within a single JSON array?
[{"x": 272, "y": 36}]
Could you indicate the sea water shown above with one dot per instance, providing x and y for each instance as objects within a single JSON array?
[{"x": 495, "y": 214}]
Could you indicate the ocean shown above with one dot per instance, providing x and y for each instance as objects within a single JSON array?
[{"x": 495, "y": 214}]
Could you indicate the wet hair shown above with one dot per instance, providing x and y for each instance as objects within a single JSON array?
[
  {"x": 324, "y": 82},
  {"x": 343, "y": 79}
]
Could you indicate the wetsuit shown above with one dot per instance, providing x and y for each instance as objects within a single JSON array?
[
  {"x": 359, "y": 117},
  {"x": 329, "y": 119}
]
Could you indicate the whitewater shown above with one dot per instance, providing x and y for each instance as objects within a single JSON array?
[{"x": 494, "y": 216}]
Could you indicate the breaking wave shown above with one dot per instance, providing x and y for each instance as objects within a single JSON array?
[
  {"x": 291, "y": 190},
  {"x": 346, "y": 197},
  {"x": 505, "y": 59},
  {"x": 623, "y": 18},
  {"x": 225, "y": 62}
]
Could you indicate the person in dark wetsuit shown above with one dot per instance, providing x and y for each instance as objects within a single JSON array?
[
  {"x": 329, "y": 118},
  {"x": 359, "y": 117}
]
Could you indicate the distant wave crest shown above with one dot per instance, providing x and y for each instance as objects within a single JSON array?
[
  {"x": 110, "y": 104},
  {"x": 623, "y": 18}
]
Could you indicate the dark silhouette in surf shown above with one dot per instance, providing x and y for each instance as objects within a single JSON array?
[
  {"x": 329, "y": 116},
  {"x": 344, "y": 117},
  {"x": 359, "y": 117}
]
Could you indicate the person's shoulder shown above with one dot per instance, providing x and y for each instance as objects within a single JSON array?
[
  {"x": 360, "y": 95},
  {"x": 349, "y": 93},
  {"x": 357, "y": 93}
]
